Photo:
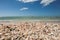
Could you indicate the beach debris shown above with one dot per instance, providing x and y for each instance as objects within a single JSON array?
[{"x": 35, "y": 30}]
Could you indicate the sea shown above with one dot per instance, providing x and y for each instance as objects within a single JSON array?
[{"x": 30, "y": 18}]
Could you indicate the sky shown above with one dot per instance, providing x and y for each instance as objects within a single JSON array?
[{"x": 29, "y": 8}]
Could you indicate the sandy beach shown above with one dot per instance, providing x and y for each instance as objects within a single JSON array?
[{"x": 30, "y": 30}]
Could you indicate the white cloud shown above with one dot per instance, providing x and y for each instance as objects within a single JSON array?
[
  {"x": 46, "y": 2},
  {"x": 24, "y": 8},
  {"x": 43, "y": 2},
  {"x": 27, "y": 1}
]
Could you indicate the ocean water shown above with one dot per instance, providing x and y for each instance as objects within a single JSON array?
[{"x": 30, "y": 18}]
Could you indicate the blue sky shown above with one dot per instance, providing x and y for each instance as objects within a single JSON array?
[{"x": 29, "y": 7}]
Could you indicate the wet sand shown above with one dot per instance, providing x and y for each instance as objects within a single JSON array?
[{"x": 30, "y": 30}]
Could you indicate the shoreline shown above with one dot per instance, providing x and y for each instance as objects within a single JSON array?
[
  {"x": 30, "y": 30},
  {"x": 31, "y": 20}
]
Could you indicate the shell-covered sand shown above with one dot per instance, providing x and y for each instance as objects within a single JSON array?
[{"x": 30, "y": 30}]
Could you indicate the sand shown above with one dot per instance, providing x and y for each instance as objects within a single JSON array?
[{"x": 30, "y": 30}]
